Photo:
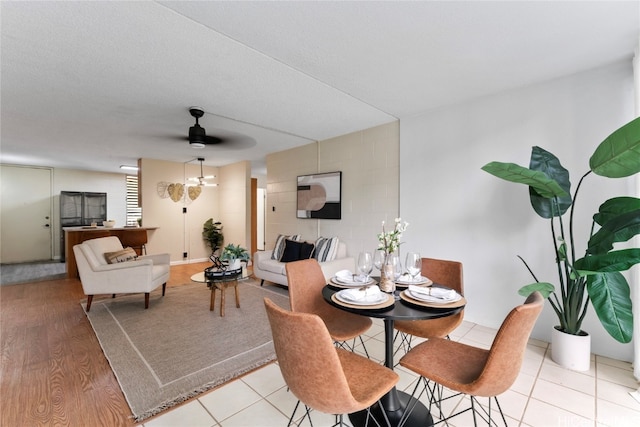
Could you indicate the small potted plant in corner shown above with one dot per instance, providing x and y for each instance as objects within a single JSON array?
[
  {"x": 234, "y": 254},
  {"x": 212, "y": 234},
  {"x": 595, "y": 276}
]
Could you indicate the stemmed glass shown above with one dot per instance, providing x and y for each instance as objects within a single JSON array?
[
  {"x": 365, "y": 265},
  {"x": 413, "y": 264},
  {"x": 397, "y": 267},
  {"x": 378, "y": 259}
]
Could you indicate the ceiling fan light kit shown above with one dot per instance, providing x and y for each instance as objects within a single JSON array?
[{"x": 201, "y": 180}]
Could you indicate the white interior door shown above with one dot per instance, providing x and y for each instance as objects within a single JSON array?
[{"x": 25, "y": 219}]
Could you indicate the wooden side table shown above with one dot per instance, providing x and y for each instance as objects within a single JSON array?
[
  {"x": 221, "y": 280},
  {"x": 222, "y": 287}
]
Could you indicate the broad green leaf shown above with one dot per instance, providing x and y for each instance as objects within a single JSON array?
[
  {"x": 610, "y": 297},
  {"x": 617, "y": 229},
  {"x": 613, "y": 261},
  {"x": 544, "y": 161},
  {"x": 543, "y": 287},
  {"x": 618, "y": 155},
  {"x": 544, "y": 185},
  {"x": 614, "y": 207}
]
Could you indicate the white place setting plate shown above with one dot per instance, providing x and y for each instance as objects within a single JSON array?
[
  {"x": 405, "y": 279},
  {"x": 434, "y": 295},
  {"x": 374, "y": 299},
  {"x": 346, "y": 278},
  {"x": 334, "y": 281}
]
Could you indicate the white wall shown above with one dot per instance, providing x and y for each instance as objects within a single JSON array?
[
  {"x": 175, "y": 229},
  {"x": 459, "y": 212},
  {"x": 178, "y": 232},
  {"x": 369, "y": 162},
  {"x": 235, "y": 203},
  {"x": 282, "y": 170}
]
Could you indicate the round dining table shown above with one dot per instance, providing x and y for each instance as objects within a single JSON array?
[{"x": 396, "y": 403}]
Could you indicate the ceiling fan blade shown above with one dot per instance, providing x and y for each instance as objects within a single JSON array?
[{"x": 212, "y": 140}]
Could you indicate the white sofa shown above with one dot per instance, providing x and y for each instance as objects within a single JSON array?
[
  {"x": 265, "y": 268},
  {"x": 144, "y": 274}
]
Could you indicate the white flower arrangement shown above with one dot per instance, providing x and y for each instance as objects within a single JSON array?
[{"x": 390, "y": 240}]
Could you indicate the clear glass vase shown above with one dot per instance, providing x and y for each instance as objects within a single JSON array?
[{"x": 387, "y": 275}]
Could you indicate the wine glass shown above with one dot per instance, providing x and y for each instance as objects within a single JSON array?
[
  {"x": 397, "y": 267},
  {"x": 378, "y": 259},
  {"x": 365, "y": 264},
  {"x": 413, "y": 264}
]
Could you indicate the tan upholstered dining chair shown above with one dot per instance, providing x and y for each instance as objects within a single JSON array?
[
  {"x": 306, "y": 281},
  {"x": 442, "y": 272},
  {"x": 325, "y": 378},
  {"x": 475, "y": 371}
]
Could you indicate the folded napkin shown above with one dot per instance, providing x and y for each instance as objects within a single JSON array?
[
  {"x": 346, "y": 276},
  {"x": 362, "y": 294},
  {"x": 407, "y": 278},
  {"x": 434, "y": 292}
]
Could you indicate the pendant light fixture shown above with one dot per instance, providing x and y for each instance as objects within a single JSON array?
[{"x": 201, "y": 180}]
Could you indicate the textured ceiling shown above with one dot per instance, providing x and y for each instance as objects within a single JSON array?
[{"x": 93, "y": 85}]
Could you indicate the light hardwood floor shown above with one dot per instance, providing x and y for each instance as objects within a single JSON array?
[{"x": 52, "y": 369}]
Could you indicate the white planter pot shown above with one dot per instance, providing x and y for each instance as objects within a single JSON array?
[
  {"x": 235, "y": 264},
  {"x": 571, "y": 351}
]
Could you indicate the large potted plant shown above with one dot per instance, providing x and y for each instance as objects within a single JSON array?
[
  {"x": 594, "y": 277},
  {"x": 212, "y": 234}
]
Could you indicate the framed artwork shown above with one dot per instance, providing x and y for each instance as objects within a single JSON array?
[{"x": 320, "y": 196}]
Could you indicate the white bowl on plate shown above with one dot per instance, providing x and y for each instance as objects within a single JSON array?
[{"x": 109, "y": 224}]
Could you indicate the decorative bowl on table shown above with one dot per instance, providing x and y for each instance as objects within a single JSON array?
[{"x": 109, "y": 224}]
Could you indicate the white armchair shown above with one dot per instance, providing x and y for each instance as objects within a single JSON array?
[{"x": 144, "y": 274}]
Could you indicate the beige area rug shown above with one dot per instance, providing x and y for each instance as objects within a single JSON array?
[{"x": 177, "y": 348}]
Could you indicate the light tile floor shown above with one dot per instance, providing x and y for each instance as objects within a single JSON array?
[{"x": 544, "y": 395}]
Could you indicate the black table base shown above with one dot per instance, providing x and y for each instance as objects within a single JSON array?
[{"x": 418, "y": 416}]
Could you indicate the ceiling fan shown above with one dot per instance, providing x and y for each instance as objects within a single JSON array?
[
  {"x": 201, "y": 180},
  {"x": 224, "y": 139},
  {"x": 198, "y": 138}
]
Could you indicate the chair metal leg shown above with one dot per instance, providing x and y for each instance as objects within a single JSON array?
[
  {"x": 435, "y": 392},
  {"x": 351, "y": 347},
  {"x": 339, "y": 418},
  {"x": 405, "y": 343},
  {"x": 363, "y": 346},
  {"x": 485, "y": 414},
  {"x": 306, "y": 414}
]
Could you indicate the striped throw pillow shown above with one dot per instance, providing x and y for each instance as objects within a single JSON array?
[
  {"x": 326, "y": 249},
  {"x": 278, "y": 249}
]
